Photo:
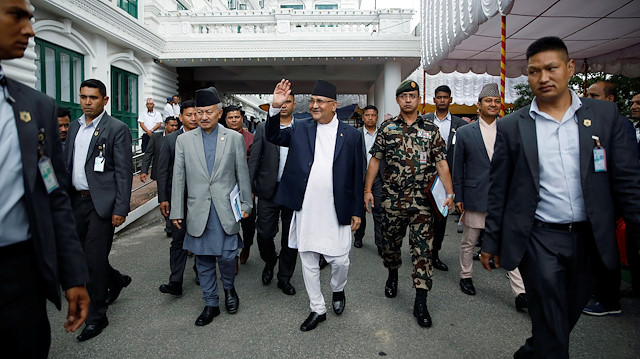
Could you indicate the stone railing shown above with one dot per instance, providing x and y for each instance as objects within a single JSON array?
[{"x": 283, "y": 21}]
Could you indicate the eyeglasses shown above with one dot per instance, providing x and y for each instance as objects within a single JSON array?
[
  {"x": 208, "y": 112},
  {"x": 319, "y": 101},
  {"x": 404, "y": 96}
]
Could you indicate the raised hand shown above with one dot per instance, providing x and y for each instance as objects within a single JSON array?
[{"x": 281, "y": 93}]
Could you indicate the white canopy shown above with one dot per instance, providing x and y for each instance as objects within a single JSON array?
[{"x": 464, "y": 35}]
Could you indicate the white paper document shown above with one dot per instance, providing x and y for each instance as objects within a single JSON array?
[
  {"x": 439, "y": 196},
  {"x": 234, "y": 198}
]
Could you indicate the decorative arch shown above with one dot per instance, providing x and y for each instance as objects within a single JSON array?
[
  {"x": 63, "y": 34},
  {"x": 132, "y": 64}
]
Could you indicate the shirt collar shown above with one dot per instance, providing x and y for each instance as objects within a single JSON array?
[
  {"x": 94, "y": 122},
  {"x": 576, "y": 104},
  {"x": 446, "y": 118}
]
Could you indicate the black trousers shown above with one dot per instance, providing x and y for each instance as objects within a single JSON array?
[
  {"x": 557, "y": 269},
  {"x": 376, "y": 211},
  {"x": 268, "y": 213},
  {"x": 439, "y": 227},
  {"x": 24, "y": 326},
  {"x": 96, "y": 235},
  {"x": 177, "y": 255},
  {"x": 634, "y": 263},
  {"x": 249, "y": 228},
  {"x": 145, "y": 142}
]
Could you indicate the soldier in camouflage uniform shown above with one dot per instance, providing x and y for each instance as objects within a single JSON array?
[{"x": 414, "y": 152}]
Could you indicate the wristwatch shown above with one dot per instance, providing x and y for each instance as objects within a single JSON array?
[{"x": 452, "y": 196}]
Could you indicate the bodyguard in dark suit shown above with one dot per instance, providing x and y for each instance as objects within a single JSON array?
[
  {"x": 448, "y": 124},
  {"x": 152, "y": 155},
  {"x": 324, "y": 161},
  {"x": 101, "y": 172},
  {"x": 39, "y": 248},
  {"x": 266, "y": 166},
  {"x": 177, "y": 255},
  {"x": 561, "y": 170}
]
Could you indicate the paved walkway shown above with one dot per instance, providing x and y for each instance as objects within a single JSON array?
[{"x": 147, "y": 324}]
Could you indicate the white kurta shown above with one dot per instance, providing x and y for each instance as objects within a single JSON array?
[{"x": 315, "y": 226}]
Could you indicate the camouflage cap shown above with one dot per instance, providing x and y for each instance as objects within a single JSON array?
[{"x": 406, "y": 86}]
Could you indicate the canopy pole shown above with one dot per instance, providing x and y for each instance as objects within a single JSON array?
[
  {"x": 503, "y": 50},
  {"x": 586, "y": 70},
  {"x": 424, "y": 90}
]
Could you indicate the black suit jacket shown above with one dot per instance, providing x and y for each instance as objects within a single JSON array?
[
  {"x": 348, "y": 181},
  {"x": 514, "y": 185},
  {"x": 166, "y": 157},
  {"x": 52, "y": 226},
  {"x": 111, "y": 189},
  {"x": 471, "y": 167},
  {"x": 456, "y": 122},
  {"x": 152, "y": 154},
  {"x": 263, "y": 165}
]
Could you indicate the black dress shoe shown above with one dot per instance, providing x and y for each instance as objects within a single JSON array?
[
  {"x": 173, "y": 288},
  {"x": 207, "y": 315},
  {"x": 391, "y": 288},
  {"x": 466, "y": 285},
  {"x": 357, "y": 243},
  {"x": 92, "y": 330},
  {"x": 312, "y": 321},
  {"x": 521, "y": 302},
  {"x": 231, "y": 300},
  {"x": 476, "y": 256},
  {"x": 287, "y": 288},
  {"x": 338, "y": 302},
  {"x": 267, "y": 273},
  {"x": 323, "y": 262},
  {"x": 114, "y": 293},
  {"x": 421, "y": 313},
  {"x": 439, "y": 265}
]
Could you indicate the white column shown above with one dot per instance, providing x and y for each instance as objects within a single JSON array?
[
  {"x": 379, "y": 97},
  {"x": 392, "y": 79}
]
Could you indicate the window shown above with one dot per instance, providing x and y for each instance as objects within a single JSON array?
[
  {"x": 130, "y": 6},
  {"x": 181, "y": 6},
  {"x": 59, "y": 73},
  {"x": 295, "y": 7},
  {"x": 124, "y": 98},
  {"x": 326, "y": 7}
]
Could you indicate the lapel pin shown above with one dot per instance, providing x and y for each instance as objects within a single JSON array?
[
  {"x": 25, "y": 116},
  {"x": 221, "y": 138},
  {"x": 586, "y": 122},
  {"x": 341, "y": 135}
]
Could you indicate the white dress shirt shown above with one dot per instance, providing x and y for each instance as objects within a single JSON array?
[
  {"x": 81, "y": 151},
  {"x": 369, "y": 139},
  {"x": 284, "y": 151},
  {"x": 150, "y": 120},
  {"x": 444, "y": 126}
]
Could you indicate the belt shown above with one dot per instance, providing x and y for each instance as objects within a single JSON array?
[
  {"x": 83, "y": 193},
  {"x": 565, "y": 227},
  {"x": 15, "y": 249}
]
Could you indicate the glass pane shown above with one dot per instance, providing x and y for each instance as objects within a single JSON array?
[
  {"x": 50, "y": 71},
  {"x": 77, "y": 78},
  {"x": 134, "y": 94},
  {"x": 65, "y": 77},
  {"x": 116, "y": 91},
  {"x": 126, "y": 99},
  {"x": 38, "y": 68}
]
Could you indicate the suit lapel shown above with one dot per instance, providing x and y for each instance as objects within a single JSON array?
[
  {"x": 27, "y": 135},
  {"x": 221, "y": 143},
  {"x": 527, "y": 127},
  {"x": 477, "y": 134},
  {"x": 339, "y": 139},
  {"x": 74, "y": 127},
  {"x": 586, "y": 143},
  {"x": 97, "y": 133},
  {"x": 199, "y": 146},
  {"x": 312, "y": 128}
]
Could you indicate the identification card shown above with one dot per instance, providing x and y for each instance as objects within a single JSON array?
[
  {"x": 48, "y": 176},
  {"x": 423, "y": 158},
  {"x": 98, "y": 164},
  {"x": 453, "y": 140},
  {"x": 599, "y": 159}
]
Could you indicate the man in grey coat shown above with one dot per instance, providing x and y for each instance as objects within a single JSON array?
[{"x": 209, "y": 162}]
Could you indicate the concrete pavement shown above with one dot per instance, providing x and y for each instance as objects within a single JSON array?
[{"x": 145, "y": 323}]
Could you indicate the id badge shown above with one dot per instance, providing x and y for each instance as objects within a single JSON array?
[
  {"x": 98, "y": 164},
  {"x": 453, "y": 140},
  {"x": 423, "y": 158},
  {"x": 48, "y": 176},
  {"x": 599, "y": 159}
]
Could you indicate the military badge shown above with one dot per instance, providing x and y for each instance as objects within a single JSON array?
[
  {"x": 586, "y": 122},
  {"x": 25, "y": 116}
]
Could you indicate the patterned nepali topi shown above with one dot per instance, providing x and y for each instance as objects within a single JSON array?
[
  {"x": 207, "y": 97},
  {"x": 324, "y": 88},
  {"x": 489, "y": 90}
]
